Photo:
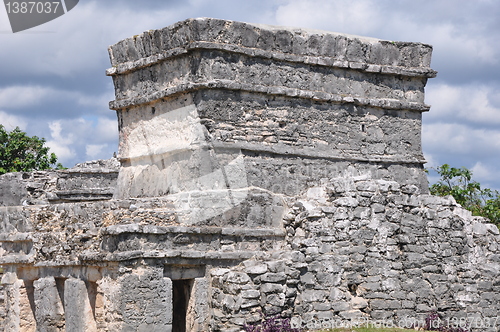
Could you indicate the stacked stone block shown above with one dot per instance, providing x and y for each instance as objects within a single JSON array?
[{"x": 369, "y": 250}]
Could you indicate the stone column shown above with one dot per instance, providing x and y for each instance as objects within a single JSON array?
[
  {"x": 27, "y": 320},
  {"x": 11, "y": 285},
  {"x": 198, "y": 312},
  {"x": 139, "y": 301},
  {"x": 167, "y": 282},
  {"x": 79, "y": 313},
  {"x": 49, "y": 307},
  {"x": 108, "y": 304},
  {"x": 19, "y": 311}
]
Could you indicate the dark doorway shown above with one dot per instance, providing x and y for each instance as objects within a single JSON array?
[{"x": 181, "y": 292}]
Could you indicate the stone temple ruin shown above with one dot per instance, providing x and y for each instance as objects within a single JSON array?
[{"x": 262, "y": 169}]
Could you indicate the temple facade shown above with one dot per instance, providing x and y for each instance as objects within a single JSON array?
[{"x": 261, "y": 171}]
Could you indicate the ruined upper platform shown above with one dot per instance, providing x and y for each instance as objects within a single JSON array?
[
  {"x": 201, "y": 92},
  {"x": 279, "y": 44}
]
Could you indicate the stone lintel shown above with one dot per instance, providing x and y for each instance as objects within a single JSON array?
[
  {"x": 151, "y": 229},
  {"x": 171, "y": 256}
]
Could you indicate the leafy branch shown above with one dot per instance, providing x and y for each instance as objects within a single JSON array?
[
  {"x": 458, "y": 183},
  {"x": 22, "y": 153}
]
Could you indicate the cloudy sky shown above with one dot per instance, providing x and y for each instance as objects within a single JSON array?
[{"x": 52, "y": 81}]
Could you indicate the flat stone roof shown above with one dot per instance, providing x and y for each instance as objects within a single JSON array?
[{"x": 267, "y": 41}]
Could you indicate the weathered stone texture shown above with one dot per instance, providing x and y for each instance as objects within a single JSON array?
[
  {"x": 345, "y": 258},
  {"x": 49, "y": 304},
  {"x": 263, "y": 169},
  {"x": 95, "y": 180},
  {"x": 230, "y": 99},
  {"x": 77, "y": 307}
]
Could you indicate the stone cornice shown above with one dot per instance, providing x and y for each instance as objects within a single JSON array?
[
  {"x": 274, "y": 42},
  {"x": 386, "y": 103},
  {"x": 129, "y": 66}
]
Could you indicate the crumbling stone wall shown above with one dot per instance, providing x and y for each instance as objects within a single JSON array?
[
  {"x": 263, "y": 169},
  {"x": 359, "y": 249},
  {"x": 94, "y": 180}
]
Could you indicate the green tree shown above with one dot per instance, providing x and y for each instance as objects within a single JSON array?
[
  {"x": 458, "y": 183},
  {"x": 22, "y": 153}
]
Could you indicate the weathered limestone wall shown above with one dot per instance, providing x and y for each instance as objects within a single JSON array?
[
  {"x": 369, "y": 250},
  {"x": 352, "y": 248},
  {"x": 263, "y": 169},
  {"x": 200, "y": 94},
  {"x": 95, "y": 180}
]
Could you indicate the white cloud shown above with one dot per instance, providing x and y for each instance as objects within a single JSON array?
[
  {"x": 93, "y": 151},
  {"x": 18, "y": 96},
  {"x": 340, "y": 16},
  {"x": 439, "y": 136},
  {"x": 456, "y": 35},
  {"x": 27, "y": 96},
  {"x": 10, "y": 121},
  {"x": 107, "y": 129},
  {"x": 447, "y": 40},
  {"x": 63, "y": 152},
  {"x": 431, "y": 161},
  {"x": 99, "y": 101},
  {"x": 77, "y": 42},
  {"x": 482, "y": 172},
  {"x": 470, "y": 103},
  {"x": 76, "y": 140},
  {"x": 56, "y": 132},
  {"x": 4, "y": 22},
  {"x": 460, "y": 145},
  {"x": 60, "y": 145},
  {"x": 460, "y": 139}
]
